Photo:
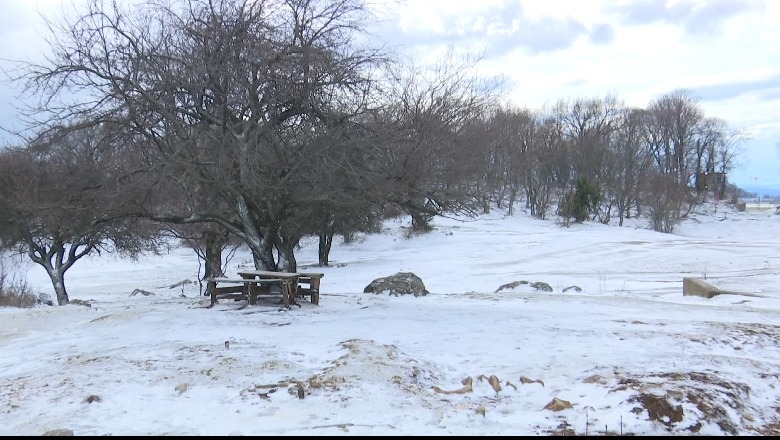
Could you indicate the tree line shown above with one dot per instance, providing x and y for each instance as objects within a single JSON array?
[{"x": 267, "y": 121}]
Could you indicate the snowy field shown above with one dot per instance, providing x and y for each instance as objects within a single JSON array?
[{"x": 621, "y": 349}]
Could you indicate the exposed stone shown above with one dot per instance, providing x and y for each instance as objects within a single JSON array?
[
  {"x": 92, "y": 398},
  {"x": 699, "y": 287},
  {"x": 402, "y": 283},
  {"x": 512, "y": 285},
  {"x": 468, "y": 387},
  {"x": 515, "y": 284},
  {"x": 45, "y": 298},
  {"x": 78, "y": 302},
  {"x": 574, "y": 288},
  {"x": 142, "y": 292},
  {"x": 558, "y": 404},
  {"x": 526, "y": 380},
  {"x": 59, "y": 433},
  {"x": 541, "y": 286}
]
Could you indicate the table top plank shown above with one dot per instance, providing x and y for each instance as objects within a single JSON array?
[
  {"x": 268, "y": 274},
  {"x": 247, "y": 280}
]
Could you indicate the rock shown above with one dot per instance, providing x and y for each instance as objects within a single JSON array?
[
  {"x": 526, "y": 380},
  {"x": 45, "y": 298},
  {"x": 541, "y": 286},
  {"x": 495, "y": 383},
  {"x": 558, "y": 405},
  {"x": 468, "y": 387},
  {"x": 92, "y": 398},
  {"x": 515, "y": 284},
  {"x": 142, "y": 292},
  {"x": 59, "y": 433},
  {"x": 78, "y": 302},
  {"x": 402, "y": 283},
  {"x": 512, "y": 285},
  {"x": 574, "y": 288},
  {"x": 182, "y": 387}
]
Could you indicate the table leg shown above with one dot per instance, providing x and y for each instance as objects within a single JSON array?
[
  {"x": 211, "y": 286},
  {"x": 252, "y": 293},
  {"x": 315, "y": 287},
  {"x": 286, "y": 294},
  {"x": 294, "y": 290}
]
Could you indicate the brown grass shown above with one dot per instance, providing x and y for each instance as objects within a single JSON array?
[{"x": 14, "y": 293}]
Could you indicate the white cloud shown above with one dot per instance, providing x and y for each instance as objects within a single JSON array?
[
  {"x": 637, "y": 50},
  {"x": 550, "y": 50}
]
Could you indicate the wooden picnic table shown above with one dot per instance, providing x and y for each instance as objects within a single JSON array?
[
  {"x": 291, "y": 285},
  {"x": 288, "y": 281}
]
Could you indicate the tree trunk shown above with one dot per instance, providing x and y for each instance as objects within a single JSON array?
[
  {"x": 420, "y": 222},
  {"x": 512, "y": 199},
  {"x": 287, "y": 260},
  {"x": 256, "y": 237},
  {"x": 263, "y": 259},
  {"x": 326, "y": 240},
  {"x": 215, "y": 242},
  {"x": 58, "y": 281}
]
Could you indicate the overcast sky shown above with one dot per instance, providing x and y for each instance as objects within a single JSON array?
[{"x": 726, "y": 51}]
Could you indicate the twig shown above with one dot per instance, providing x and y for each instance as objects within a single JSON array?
[
  {"x": 344, "y": 425},
  {"x": 336, "y": 425}
]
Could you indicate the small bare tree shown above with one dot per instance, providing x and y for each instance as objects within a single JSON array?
[
  {"x": 665, "y": 199},
  {"x": 629, "y": 162},
  {"x": 61, "y": 202},
  {"x": 433, "y": 154}
]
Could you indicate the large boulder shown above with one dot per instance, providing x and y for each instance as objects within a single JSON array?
[{"x": 402, "y": 283}]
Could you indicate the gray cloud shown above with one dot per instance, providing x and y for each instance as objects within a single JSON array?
[
  {"x": 649, "y": 11},
  {"x": 710, "y": 16},
  {"x": 501, "y": 29},
  {"x": 545, "y": 35},
  {"x": 602, "y": 34},
  {"x": 768, "y": 89},
  {"x": 695, "y": 18}
]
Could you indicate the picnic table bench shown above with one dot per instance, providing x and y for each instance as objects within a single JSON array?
[{"x": 313, "y": 281}]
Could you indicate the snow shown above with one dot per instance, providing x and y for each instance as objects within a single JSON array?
[{"x": 626, "y": 349}]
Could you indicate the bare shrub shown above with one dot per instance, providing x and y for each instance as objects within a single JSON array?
[{"x": 13, "y": 291}]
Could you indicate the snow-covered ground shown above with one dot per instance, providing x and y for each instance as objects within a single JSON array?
[{"x": 628, "y": 351}]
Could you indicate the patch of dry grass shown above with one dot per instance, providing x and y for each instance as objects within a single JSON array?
[{"x": 14, "y": 293}]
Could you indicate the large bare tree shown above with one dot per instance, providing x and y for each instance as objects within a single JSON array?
[{"x": 225, "y": 100}]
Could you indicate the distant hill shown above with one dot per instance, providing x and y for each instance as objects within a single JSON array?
[{"x": 762, "y": 191}]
